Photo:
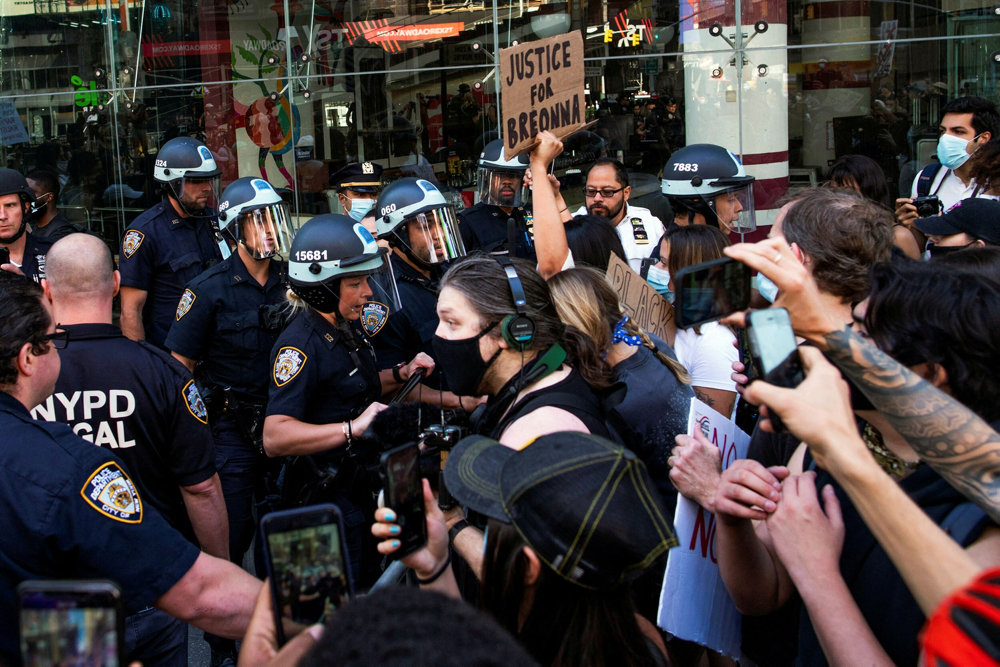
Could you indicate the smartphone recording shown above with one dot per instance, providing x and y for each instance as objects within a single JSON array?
[{"x": 710, "y": 290}]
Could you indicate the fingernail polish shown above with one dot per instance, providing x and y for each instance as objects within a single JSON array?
[
  {"x": 395, "y": 544},
  {"x": 394, "y": 530},
  {"x": 390, "y": 516}
]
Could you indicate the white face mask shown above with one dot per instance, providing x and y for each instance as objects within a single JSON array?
[{"x": 767, "y": 288}]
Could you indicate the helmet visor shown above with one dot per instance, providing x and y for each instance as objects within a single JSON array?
[
  {"x": 432, "y": 236},
  {"x": 501, "y": 187},
  {"x": 734, "y": 209},
  {"x": 199, "y": 196},
  {"x": 265, "y": 231}
]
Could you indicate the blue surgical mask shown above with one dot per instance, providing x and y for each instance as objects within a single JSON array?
[
  {"x": 952, "y": 151},
  {"x": 660, "y": 280},
  {"x": 360, "y": 208},
  {"x": 767, "y": 289}
]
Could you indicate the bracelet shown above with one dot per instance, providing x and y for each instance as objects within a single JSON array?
[
  {"x": 437, "y": 575},
  {"x": 346, "y": 426},
  {"x": 457, "y": 528},
  {"x": 396, "y": 375}
]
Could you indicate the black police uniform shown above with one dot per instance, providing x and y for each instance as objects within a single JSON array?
[
  {"x": 229, "y": 322},
  {"x": 71, "y": 511},
  {"x": 161, "y": 253},
  {"x": 33, "y": 261},
  {"x": 484, "y": 227},
  {"x": 318, "y": 376},
  {"x": 411, "y": 329}
]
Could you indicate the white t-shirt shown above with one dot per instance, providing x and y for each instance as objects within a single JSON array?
[{"x": 708, "y": 357}]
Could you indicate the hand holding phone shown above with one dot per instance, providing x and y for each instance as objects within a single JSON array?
[
  {"x": 400, "y": 470},
  {"x": 710, "y": 290},
  {"x": 307, "y": 566},
  {"x": 774, "y": 351}
]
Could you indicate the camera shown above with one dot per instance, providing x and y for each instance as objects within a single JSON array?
[{"x": 927, "y": 206}]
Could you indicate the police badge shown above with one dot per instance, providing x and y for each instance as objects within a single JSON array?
[
  {"x": 184, "y": 305},
  {"x": 131, "y": 242},
  {"x": 287, "y": 365},
  {"x": 110, "y": 491},
  {"x": 195, "y": 405},
  {"x": 373, "y": 317}
]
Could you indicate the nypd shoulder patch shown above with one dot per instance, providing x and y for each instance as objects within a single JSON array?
[
  {"x": 195, "y": 405},
  {"x": 184, "y": 305},
  {"x": 374, "y": 315},
  {"x": 131, "y": 242},
  {"x": 288, "y": 364},
  {"x": 110, "y": 491}
]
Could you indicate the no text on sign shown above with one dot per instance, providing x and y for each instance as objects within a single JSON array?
[{"x": 542, "y": 89}]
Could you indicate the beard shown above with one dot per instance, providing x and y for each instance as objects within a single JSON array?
[{"x": 602, "y": 210}]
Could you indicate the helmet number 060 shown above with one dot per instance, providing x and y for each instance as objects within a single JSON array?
[
  {"x": 310, "y": 255},
  {"x": 686, "y": 166}
]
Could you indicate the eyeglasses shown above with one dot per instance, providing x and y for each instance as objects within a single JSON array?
[
  {"x": 59, "y": 339},
  {"x": 606, "y": 193}
]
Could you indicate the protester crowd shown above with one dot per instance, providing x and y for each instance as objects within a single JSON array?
[{"x": 256, "y": 370}]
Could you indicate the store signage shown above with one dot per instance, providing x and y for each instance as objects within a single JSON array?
[
  {"x": 389, "y": 36},
  {"x": 86, "y": 95},
  {"x": 201, "y": 47},
  {"x": 541, "y": 85}
]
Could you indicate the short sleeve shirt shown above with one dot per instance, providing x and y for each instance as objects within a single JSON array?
[
  {"x": 484, "y": 227},
  {"x": 229, "y": 322},
  {"x": 640, "y": 232},
  {"x": 140, "y": 403},
  {"x": 315, "y": 378},
  {"x": 71, "y": 510},
  {"x": 160, "y": 254}
]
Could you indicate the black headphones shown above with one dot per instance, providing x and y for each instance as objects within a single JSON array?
[{"x": 518, "y": 330}]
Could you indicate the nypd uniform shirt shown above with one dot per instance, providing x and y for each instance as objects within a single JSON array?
[
  {"x": 72, "y": 511},
  {"x": 313, "y": 376},
  {"x": 640, "y": 232},
  {"x": 411, "y": 329},
  {"x": 484, "y": 227},
  {"x": 140, "y": 403},
  {"x": 161, "y": 253},
  {"x": 33, "y": 261},
  {"x": 219, "y": 322}
]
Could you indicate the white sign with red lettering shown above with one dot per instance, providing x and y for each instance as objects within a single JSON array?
[{"x": 694, "y": 603}]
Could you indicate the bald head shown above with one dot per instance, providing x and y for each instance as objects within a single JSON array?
[{"x": 80, "y": 265}]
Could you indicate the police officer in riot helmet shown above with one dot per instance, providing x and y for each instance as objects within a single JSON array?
[
  {"x": 225, "y": 324},
  {"x": 170, "y": 244},
  {"x": 500, "y": 221},
  {"x": 325, "y": 383},
  {"x": 18, "y": 247},
  {"x": 422, "y": 231},
  {"x": 707, "y": 184}
]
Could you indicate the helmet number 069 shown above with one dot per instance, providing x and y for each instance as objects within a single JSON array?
[
  {"x": 310, "y": 255},
  {"x": 686, "y": 166}
]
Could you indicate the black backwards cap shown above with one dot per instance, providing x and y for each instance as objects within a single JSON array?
[
  {"x": 585, "y": 505},
  {"x": 977, "y": 217}
]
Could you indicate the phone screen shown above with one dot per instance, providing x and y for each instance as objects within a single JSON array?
[
  {"x": 306, "y": 564},
  {"x": 70, "y": 623},
  {"x": 711, "y": 290},
  {"x": 773, "y": 346},
  {"x": 405, "y": 496}
]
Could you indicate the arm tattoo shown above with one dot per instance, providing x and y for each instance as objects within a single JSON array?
[
  {"x": 703, "y": 397},
  {"x": 960, "y": 446}
]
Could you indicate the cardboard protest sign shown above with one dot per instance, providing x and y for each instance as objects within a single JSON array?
[
  {"x": 644, "y": 305},
  {"x": 541, "y": 85},
  {"x": 694, "y": 603}
]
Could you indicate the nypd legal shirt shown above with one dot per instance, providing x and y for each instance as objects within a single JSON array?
[{"x": 141, "y": 404}]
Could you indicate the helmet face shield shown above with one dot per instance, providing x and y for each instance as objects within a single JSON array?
[
  {"x": 734, "y": 209},
  {"x": 265, "y": 231},
  {"x": 198, "y": 196},
  {"x": 501, "y": 187},
  {"x": 432, "y": 236}
]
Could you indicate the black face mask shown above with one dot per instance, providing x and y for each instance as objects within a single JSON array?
[
  {"x": 461, "y": 362},
  {"x": 942, "y": 250}
]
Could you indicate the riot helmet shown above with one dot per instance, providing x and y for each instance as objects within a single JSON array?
[
  {"x": 501, "y": 181},
  {"x": 710, "y": 180},
  {"x": 253, "y": 215},
  {"x": 330, "y": 248},
  {"x": 13, "y": 183},
  {"x": 414, "y": 216},
  {"x": 188, "y": 169}
]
